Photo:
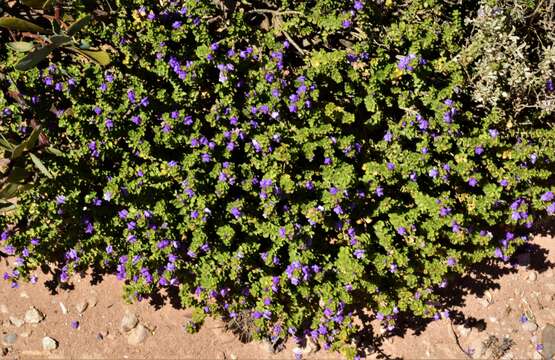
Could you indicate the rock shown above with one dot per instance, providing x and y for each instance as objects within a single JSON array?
[
  {"x": 532, "y": 275},
  {"x": 4, "y": 352},
  {"x": 81, "y": 307},
  {"x": 268, "y": 347},
  {"x": 9, "y": 339},
  {"x": 64, "y": 308},
  {"x": 49, "y": 344},
  {"x": 463, "y": 330},
  {"x": 137, "y": 335},
  {"x": 484, "y": 302},
  {"x": 3, "y": 309},
  {"x": 233, "y": 356},
  {"x": 311, "y": 346},
  {"x": 128, "y": 322},
  {"x": 92, "y": 301},
  {"x": 33, "y": 316},
  {"x": 548, "y": 341},
  {"x": 17, "y": 322},
  {"x": 529, "y": 326},
  {"x": 26, "y": 334}
]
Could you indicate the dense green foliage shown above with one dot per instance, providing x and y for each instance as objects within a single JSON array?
[{"x": 284, "y": 167}]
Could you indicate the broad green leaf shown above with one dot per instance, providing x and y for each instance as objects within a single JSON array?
[
  {"x": 40, "y": 166},
  {"x": 78, "y": 25},
  {"x": 9, "y": 191},
  {"x": 6, "y": 206},
  {"x": 54, "y": 151},
  {"x": 36, "y": 4},
  {"x": 13, "y": 23},
  {"x": 8, "y": 146},
  {"x": 60, "y": 40},
  {"x": 21, "y": 46},
  {"x": 31, "y": 141},
  {"x": 100, "y": 56},
  {"x": 32, "y": 59}
]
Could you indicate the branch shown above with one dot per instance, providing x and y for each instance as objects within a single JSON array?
[
  {"x": 275, "y": 12},
  {"x": 295, "y": 45}
]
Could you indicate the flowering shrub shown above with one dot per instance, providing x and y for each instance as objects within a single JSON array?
[{"x": 283, "y": 168}]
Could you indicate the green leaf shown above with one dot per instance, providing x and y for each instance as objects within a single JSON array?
[
  {"x": 40, "y": 166},
  {"x": 60, "y": 40},
  {"x": 78, "y": 25},
  {"x": 6, "y": 206},
  {"x": 54, "y": 151},
  {"x": 13, "y": 23},
  {"x": 11, "y": 190},
  {"x": 100, "y": 56},
  {"x": 32, "y": 139},
  {"x": 36, "y": 4},
  {"x": 34, "y": 58},
  {"x": 8, "y": 146},
  {"x": 21, "y": 46}
]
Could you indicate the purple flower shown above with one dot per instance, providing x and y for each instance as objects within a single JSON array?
[
  {"x": 472, "y": 182},
  {"x": 75, "y": 325},
  {"x": 346, "y": 24},
  {"x": 451, "y": 261},
  {"x": 388, "y": 136},
  {"x": 401, "y": 230},
  {"x": 358, "y": 253},
  {"x": 131, "y": 96},
  {"x": 503, "y": 182},
  {"x": 404, "y": 62},
  {"x": 478, "y": 150},
  {"x": 60, "y": 199},
  {"x": 235, "y": 212},
  {"x": 390, "y": 166},
  {"x": 548, "y": 196},
  {"x": 493, "y": 133}
]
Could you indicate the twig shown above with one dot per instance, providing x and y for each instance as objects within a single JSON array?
[
  {"x": 456, "y": 338},
  {"x": 275, "y": 12},
  {"x": 295, "y": 45}
]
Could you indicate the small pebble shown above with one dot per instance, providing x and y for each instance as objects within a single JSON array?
[
  {"x": 128, "y": 322},
  {"x": 48, "y": 343},
  {"x": 81, "y": 307},
  {"x": 26, "y": 334},
  {"x": 9, "y": 339},
  {"x": 17, "y": 322},
  {"x": 92, "y": 302},
  {"x": 532, "y": 276},
  {"x": 529, "y": 326},
  {"x": 3, "y": 309},
  {"x": 33, "y": 316},
  {"x": 64, "y": 308},
  {"x": 137, "y": 335},
  {"x": 24, "y": 295}
]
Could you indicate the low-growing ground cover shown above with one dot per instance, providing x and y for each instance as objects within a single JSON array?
[{"x": 283, "y": 165}]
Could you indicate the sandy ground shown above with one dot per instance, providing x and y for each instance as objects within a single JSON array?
[{"x": 488, "y": 303}]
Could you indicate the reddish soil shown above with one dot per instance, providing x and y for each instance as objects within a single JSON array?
[{"x": 490, "y": 301}]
